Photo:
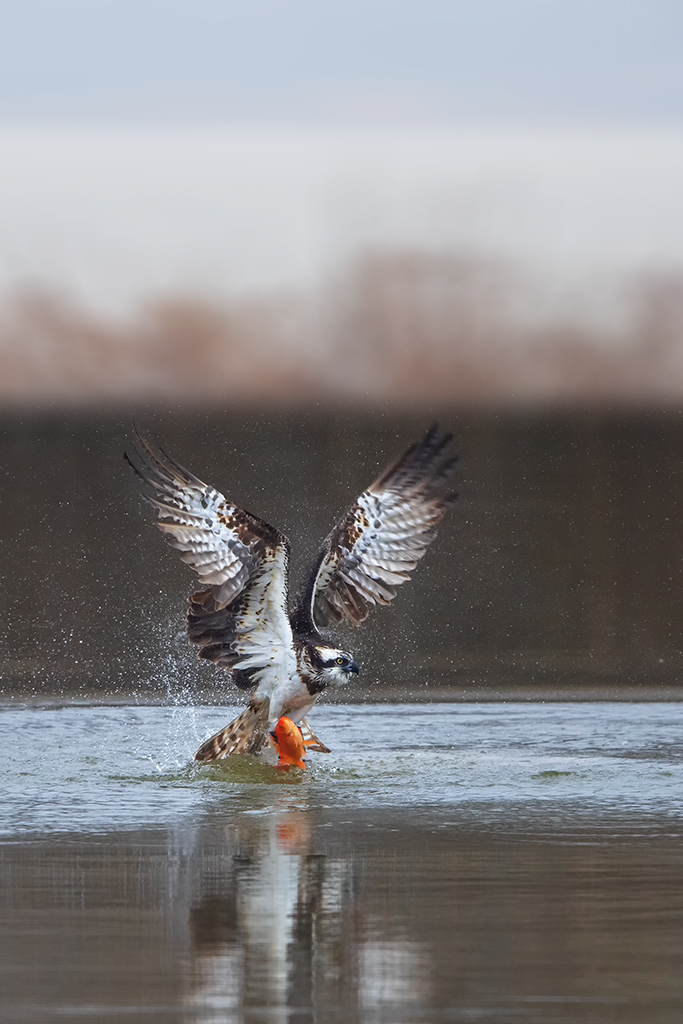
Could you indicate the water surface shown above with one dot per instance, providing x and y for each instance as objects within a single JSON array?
[{"x": 453, "y": 862}]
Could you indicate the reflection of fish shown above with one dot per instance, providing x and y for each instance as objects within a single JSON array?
[{"x": 289, "y": 743}]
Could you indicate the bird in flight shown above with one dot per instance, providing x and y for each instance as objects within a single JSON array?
[{"x": 241, "y": 618}]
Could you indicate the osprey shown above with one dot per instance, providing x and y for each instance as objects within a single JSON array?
[{"x": 241, "y": 618}]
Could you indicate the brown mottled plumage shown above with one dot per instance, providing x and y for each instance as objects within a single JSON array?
[
  {"x": 241, "y": 618},
  {"x": 245, "y": 735},
  {"x": 380, "y": 539}
]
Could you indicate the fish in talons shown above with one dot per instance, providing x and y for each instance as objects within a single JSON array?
[{"x": 289, "y": 743}]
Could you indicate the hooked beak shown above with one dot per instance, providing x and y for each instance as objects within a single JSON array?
[{"x": 352, "y": 668}]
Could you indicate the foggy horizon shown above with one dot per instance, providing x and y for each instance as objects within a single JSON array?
[
  {"x": 110, "y": 218},
  {"x": 477, "y": 184}
]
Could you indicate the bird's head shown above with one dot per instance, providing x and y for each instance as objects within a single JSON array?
[{"x": 332, "y": 665}]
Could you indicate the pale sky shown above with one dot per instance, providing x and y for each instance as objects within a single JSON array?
[
  {"x": 222, "y": 148},
  {"x": 326, "y": 61}
]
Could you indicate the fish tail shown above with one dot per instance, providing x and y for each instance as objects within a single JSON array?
[
  {"x": 311, "y": 741},
  {"x": 246, "y": 734}
]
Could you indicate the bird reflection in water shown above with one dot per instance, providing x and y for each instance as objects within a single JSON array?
[{"x": 278, "y": 928}]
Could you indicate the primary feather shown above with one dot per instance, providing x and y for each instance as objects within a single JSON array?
[
  {"x": 240, "y": 618},
  {"x": 381, "y": 538}
]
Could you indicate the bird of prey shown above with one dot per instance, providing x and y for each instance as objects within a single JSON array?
[{"x": 241, "y": 617}]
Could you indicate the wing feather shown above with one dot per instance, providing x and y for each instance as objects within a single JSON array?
[
  {"x": 240, "y": 619},
  {"x": 380, "y": 540}
]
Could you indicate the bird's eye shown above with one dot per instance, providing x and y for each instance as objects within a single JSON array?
[{"x": 339, "y": 661}]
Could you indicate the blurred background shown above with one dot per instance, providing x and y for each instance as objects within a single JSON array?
[{"x": 292, "y": 234}]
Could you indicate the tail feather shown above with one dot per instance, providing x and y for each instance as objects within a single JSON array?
[{"x": 245, "y": 735}]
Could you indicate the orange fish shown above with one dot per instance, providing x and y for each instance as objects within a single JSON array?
[{"x": 289, "y": 744}]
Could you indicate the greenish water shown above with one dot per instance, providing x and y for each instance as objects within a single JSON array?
[
  {"x": 96, "y": 768},
  {"x": 451, "y": 862}
]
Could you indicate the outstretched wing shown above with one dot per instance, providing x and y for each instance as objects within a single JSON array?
[
  {"x": 240, "y": 619},
  {"x": 380, "y": 540}
]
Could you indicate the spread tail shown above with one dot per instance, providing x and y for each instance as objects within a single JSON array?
[{"x": 245, "y": 735}]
